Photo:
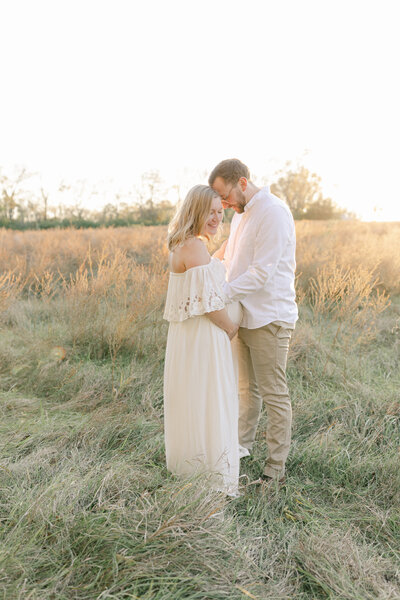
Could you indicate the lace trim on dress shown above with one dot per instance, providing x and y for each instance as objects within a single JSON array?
[
  {"x": 198, "y": 305},
  {"x": 195, "y": 292}
]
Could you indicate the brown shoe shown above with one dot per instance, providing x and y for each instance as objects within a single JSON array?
[{"x": 271, "y": 481}]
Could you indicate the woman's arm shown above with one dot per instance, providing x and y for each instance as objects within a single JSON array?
[
  {"x": 221, "y": 319},
  {"x": 194, "y": 255}
]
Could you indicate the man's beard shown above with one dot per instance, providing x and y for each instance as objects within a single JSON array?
[{"x": 240, "y": 201}]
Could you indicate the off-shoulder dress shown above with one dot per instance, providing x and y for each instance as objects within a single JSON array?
[{"x": 200, "y": 388}]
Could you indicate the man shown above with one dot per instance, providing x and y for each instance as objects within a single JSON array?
[{"x": 260, "y": 261}]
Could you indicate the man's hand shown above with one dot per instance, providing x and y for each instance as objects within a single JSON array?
[{"x": 220, "y": 253}]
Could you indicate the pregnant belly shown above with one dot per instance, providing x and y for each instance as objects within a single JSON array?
[{"x": 235, "y": 312}]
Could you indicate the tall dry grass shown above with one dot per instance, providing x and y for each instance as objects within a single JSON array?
[
  {"x": 101, "y": 291},
  {"x": 106, "y": 285},
  {"x": 10, "y": 288},
  {"x": 32, "y": 254},
  {"x": 374, "y": 247}
]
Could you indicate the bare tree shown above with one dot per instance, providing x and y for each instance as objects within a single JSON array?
[
  {"x": 45, "y": 199},
  {"x": 13, "y": 193}
]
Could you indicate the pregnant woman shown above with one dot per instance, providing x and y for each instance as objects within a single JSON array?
[{"x": 200, "y": 389}]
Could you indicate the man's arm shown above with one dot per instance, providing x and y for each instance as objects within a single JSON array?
[
  {"x": 220, "y": 253},
  {"x": 270, "y": 242}
]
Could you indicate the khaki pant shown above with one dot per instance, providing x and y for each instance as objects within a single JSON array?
[{"x": 262, "y": 357}]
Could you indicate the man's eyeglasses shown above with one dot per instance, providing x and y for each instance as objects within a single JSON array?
[{"x": 225, "y": 198}]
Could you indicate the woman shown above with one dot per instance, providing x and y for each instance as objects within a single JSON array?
[{"x": 200, "y": 392}]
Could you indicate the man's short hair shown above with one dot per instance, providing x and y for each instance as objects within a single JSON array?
[{"x": 230, "y": 170}]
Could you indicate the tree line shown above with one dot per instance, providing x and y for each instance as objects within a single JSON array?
[{"x": 26, "y": 206}]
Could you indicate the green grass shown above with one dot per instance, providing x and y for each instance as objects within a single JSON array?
[{"x": 88, "y": 509}]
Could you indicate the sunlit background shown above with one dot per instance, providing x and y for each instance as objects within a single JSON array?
[{"x": 106, "y": 90}]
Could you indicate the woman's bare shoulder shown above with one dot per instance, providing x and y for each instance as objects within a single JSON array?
[
  {"x": 193, "y": 242},
  {"x": 192, "y": 253},
  {"x": 195, "y": 253}
]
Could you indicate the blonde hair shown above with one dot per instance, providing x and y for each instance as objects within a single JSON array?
[{"x": 191, "y": 215}]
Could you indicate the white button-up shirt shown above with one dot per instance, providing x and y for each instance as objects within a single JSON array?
[{"x": 260, "y": 261}]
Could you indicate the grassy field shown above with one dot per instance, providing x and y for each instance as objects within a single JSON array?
[{"x": 87, "y": 507}]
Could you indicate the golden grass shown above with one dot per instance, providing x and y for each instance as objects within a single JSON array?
[
  {"x": 102, "y": 288},
  {"x": 10, "y": 287},
  {"x": 117, "y": 277},
  {"x": 372, "y": 246},
  {"x": 35, "y": 253}
]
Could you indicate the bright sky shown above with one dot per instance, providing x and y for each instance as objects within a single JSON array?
[{"x": 102, "y": 89}]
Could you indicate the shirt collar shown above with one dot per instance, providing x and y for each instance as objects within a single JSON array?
[{"x": 256, "y": 196}]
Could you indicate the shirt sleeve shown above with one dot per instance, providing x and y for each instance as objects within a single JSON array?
[
  {"x": 228, "y": 250},
  {"x": 271, "y": 239}
]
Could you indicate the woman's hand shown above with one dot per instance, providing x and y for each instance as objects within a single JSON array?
[
  {"x": 233, "y": 331},
  {"x": 222, "y": 320}
]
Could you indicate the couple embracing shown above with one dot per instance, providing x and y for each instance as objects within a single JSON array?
[{"x": 231, "y": 318}]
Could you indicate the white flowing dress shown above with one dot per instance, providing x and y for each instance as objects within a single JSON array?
[{"x": 200, "y": 388}]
